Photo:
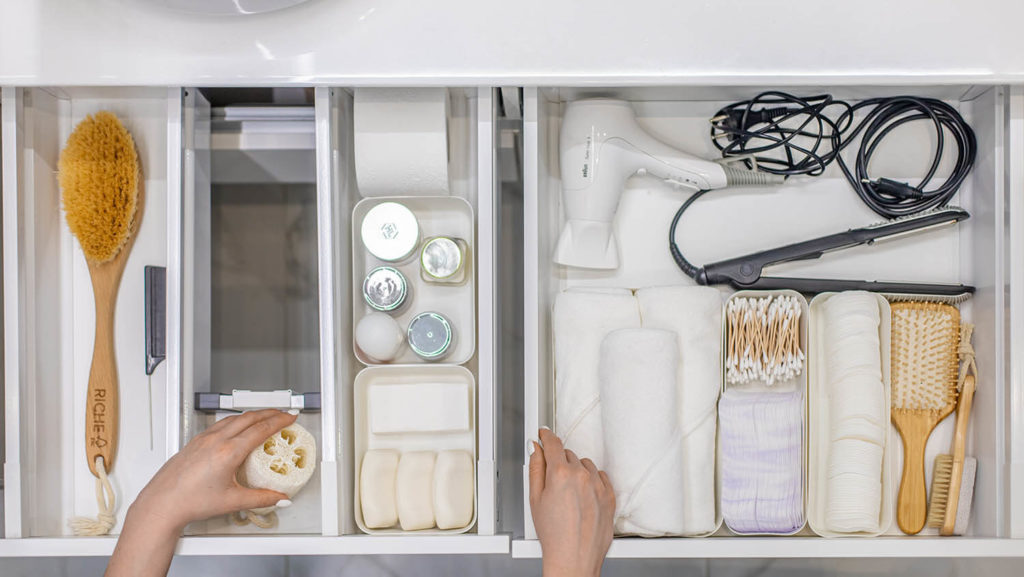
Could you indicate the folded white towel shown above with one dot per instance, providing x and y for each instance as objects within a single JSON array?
[
  {"x": 643, "y": 453},
  {"x": 581, "y": 320},
  {"x": 695, "y": 314}
]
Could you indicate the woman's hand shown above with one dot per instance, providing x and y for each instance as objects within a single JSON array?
[
  {"x": 197, "y": 483},
  {"x": 573, "y": 507}
]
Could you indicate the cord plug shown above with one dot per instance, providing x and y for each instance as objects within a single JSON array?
[
  {"x": 738, "y": 120},
  {"x": 896, "y": 188}
]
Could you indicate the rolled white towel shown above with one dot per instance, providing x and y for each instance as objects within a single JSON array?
[
  {"x": 695, "y": 314},
  {"x": 581, "y": 320},
  {"x": 643, "y": 453}
]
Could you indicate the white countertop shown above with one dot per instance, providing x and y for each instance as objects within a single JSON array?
[{"x": 516, "y": 42}]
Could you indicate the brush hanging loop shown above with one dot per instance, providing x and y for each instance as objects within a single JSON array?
[{"x": 106, "y": 503}]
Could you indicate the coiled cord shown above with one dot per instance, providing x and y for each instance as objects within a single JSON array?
[{"x": 788, "y": 135}]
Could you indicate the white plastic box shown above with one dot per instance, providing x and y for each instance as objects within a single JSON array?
[
  {"x": 48, "y": 315},
  {"x": 983, "y": 251}
]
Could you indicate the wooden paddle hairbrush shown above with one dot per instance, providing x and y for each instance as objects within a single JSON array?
[{"x": 925, "y": 337}]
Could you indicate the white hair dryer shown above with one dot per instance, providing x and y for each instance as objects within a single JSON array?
[{"x": 601, "y": 147}]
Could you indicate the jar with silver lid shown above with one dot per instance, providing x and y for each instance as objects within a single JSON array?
[
  {"x": 385, "y": 289},
  {"x": 431, "y": 336}
]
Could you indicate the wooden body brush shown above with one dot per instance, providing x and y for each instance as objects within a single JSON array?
[
  {"x": 953, "y": 475},
  {"x": 925, "y": 338},
  {"x": 99, "y": 178}
]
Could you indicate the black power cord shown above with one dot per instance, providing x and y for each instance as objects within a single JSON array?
[
  {"x": 783, "y": 134},
  {"x": 773, "y": 121},
  {"x": 890, "y": 198},
  {"x": 790, "y": 135}
]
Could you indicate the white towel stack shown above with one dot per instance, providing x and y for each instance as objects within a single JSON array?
[
  {"x": 695, "y": 315},
  {"x": 643, "y": 453},
  {"x": 582, "y": 319},
  {"x": 856, "y": 412},
  {"x": 762, "y": 461}
]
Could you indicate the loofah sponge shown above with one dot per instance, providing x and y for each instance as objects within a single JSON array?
[
  {"x": 284, "y": 462},
  {"x": 99, "y": 175}
]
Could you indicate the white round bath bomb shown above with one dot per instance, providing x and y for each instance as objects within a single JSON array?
[
  {"x": 284, "y": 462},
  {"x": 379, "y": 336}
]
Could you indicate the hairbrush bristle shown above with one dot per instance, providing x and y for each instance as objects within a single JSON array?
[
  {"x": 99, "y": 177},
  {"x": 942, "y": 478},
  {"x": 925, "y": 339}
]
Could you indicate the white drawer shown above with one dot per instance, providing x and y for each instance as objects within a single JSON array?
[
  {"x": 48, "y": 320},
  {"x": 984, "y": 251}
]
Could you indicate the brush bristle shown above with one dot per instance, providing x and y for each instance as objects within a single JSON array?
[
  {"x": 942, "y": 477},
  {"x": 925, "y": 339},
  {"x": 98, "y": 173}
]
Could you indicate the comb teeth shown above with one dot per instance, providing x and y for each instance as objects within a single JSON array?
[
  {"x": 925, "y": 338},
  {"x": 945, "y": 299},
  {"x": 950, "y": 209}
]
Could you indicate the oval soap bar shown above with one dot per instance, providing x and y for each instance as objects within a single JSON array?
[
  {"x": 414, "y": 491},
  {"x": 377, "y": 489},
  {"x": 284, "y": 462},
  {"x": 453, "y": 489}
]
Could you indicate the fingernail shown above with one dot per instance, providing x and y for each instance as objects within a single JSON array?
[
  {"x": 546, "y": 428},
  {"x": 531, "y": 446},
  {"x": 293, "y": 411},
  {"x": 284, "y": 504}
]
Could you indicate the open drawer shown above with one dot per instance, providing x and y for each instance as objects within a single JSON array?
[
  {"x": 247, "y": 220},
  {"x": 734, "y": 222}
]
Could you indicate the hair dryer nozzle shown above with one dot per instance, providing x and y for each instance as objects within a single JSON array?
[
  {"x": 587, "y": 244},
  {"x": 743, "y": 177}
]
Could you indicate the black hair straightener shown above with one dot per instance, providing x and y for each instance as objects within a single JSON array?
[{"x": 745, "y": 272}]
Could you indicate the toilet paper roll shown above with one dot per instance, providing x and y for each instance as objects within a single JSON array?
[{"x": 401, "y": 141}]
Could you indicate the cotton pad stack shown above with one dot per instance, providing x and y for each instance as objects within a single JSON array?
[
  {"x": 761, "y": 442},
  {"x": 856, "y": 405}
]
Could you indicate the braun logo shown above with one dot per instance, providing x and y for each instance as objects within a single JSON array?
[{"x": 586, "y": 157}]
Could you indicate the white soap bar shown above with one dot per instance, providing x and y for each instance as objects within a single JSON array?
[
  {"x": 453, "y": 489},
  {"x": 415, "y": 490},
  {"x": 419, "y": 408},
  {"x": 377, "y": 489}
]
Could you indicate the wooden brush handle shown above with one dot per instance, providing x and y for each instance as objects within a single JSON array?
[
  {"x": 101, "y": 412},
  {"x": 912, "y": 505},
  {"x": 963, "y": 414}
]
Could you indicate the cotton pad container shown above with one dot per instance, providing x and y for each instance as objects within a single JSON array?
[{"x": 851, "y": 491}]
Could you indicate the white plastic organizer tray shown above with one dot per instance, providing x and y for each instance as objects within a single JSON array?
[
  {"x": 797, "y": 383},
  {"x": 819, "y": 425},
  {"x": 438, "y": 216},
  {"x": 438, "y": 440}
]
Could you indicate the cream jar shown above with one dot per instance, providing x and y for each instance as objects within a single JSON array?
[{"x": 390, "y": 232}]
